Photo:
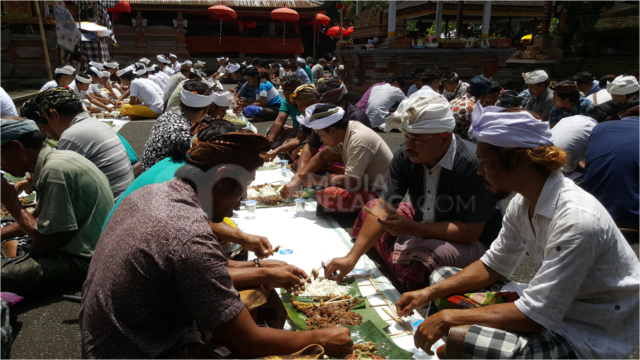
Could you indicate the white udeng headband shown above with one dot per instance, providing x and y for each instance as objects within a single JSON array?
[
  {"x": 95, "y": 71},
  {"x": 106, "y": 74},
  {"x": 113, "y": 65},
  {"x": 195, "y": 100},
  {"x": 67, "y": 70},
  {"x": 125, "y": 70},
  {"x": 318, "y": 121},
  {"x": 141, "y": 72},
  {"x": 151, "y": 69},
  {"x": 82, "y": 80},
  {"x": 222, "y": 58}
]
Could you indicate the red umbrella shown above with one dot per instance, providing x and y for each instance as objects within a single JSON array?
[
  {"x": 122, "y": 6},
  {"x": 222, "y": 13},
  {"x": 348, "y": 31},
  {"x": 335, "y": 31},
  {"x": 285, "y": 14},
  {"x": 320, "y": 19}
]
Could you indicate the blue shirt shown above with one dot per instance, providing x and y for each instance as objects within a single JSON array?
[
  {"x": 412, "y": 89},
  {"x": 302, "y": 75},
  {"x": 240, "y": 83},
  {"x": 248, "y": 92},
  {"x": 595, "y": 87},
  {"x": 581, "y": 107},
  {"x": 267, "y": 90},
  {"x": 611, "y": 173}
]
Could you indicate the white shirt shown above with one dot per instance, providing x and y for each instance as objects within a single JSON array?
[
  {"x": 222, "y": 70},
  {"x": 572, "y": 135},
  {"x": 176, "y": 66},
  {"x": 94, "y": 88},
  {"x": 587, "y": 276},
  {"x": 424, "y": 91},
  {"x": 431, "y": 177},
  {"x": 281, "y": 72},
  {"x": 381, "y": 100},
  {"x": 49, "y": 85},
  {"x": 167, "y": 70},
  {"x": 163, "y": 77},
  {"x": 158, "y": 82},
  {"x": 81, "y": 94},
  {"x": 600, "y": 97},
  {"x": 7, "y": 107},
  {"x": 149, "y": 93}
]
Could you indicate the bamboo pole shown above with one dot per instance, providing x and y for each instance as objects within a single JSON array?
[{"x": 44, "y": 40}]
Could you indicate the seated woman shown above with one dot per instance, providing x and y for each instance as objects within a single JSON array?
[
  {"x": 180, "y": 275},
  {"x": 266, "y": 105},
  {"x": 146, "y": 97}
]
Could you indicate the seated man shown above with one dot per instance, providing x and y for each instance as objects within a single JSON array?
[
  {"x": 181, "y": 277},
  {"x": 624, "y": 89},
  {"x": 567, "y": 102},
  {"x": 583, "y": 299},
  {"x": 572, "y": 136},
  {"x": 160, "y": 81},
  {"x": 164, "y": 64},
  {"x": 174, "y": 80},
  {"x": 173, "y": 104},
  {"x": 453, "y": 86},
  {"x": 383, "y": 99},
  {"x": 81, "y": 86},
  {"x": 362, "y": 104},
  {"x": 278, "y": 132},
  {"x": 301, "y": 71},
  {"x": 328, "y": 92},
  {"x": 365, "y": 154},
  {"x": 492, "y": 96},
  {"x": 462, "y": 107},
  {"x": 89, "y": 137},
  {"x": 94, "y": 93},
  {"x": 266, "y": 105},
  {"x": 509, "y": 99},
  {"x": 7, "y": 107},
  {"x": 611, "y": 169},
  {"x": 451, "y": 219},
  {"x": 145, "y": 100},
  {"x": 417, "y": 81},
  {"x": 430, "y": 83},
  {"x": 63, "y": 77},
  {"x": 175, "y": 64},
  {"x": 74, "y": 198},
  {"x": 317, "y": 71},
  {"x": 586, "y": 82},
  {"x": 602, "y": 96},
  {"x": 541, "y": 97}
]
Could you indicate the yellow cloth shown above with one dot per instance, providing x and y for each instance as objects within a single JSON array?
[
  {"x": 138, "y": 110},
  {"x": 230, "y": 223}
]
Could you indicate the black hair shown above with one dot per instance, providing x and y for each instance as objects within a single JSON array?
[
  {"x": 448, "y": 77},
  {"x": 572, "y": 97},
  {"x": 193, "y": 75},
  {"x": 274, "y": 65},
  {"x": 265, "y": 64},
  {"x": 247, "y": 59},
  {"x": 58, "y": 76},
  {"x": 583, "y": 77},
  {"x": 332, "y": 84},
  {"x": 341, "y": 124},
  {"x": 430, "y": 76},
  {"x": 291, "y": 81},
  {"x": 495, "y": 88},
  {"x": 256, "y": 61},
  {"x": 544, "y": 83},
  {"x": 253, "y": 72},
  {"x": 71, "y": 108},
  {"x": 393, "y": 78},
  {"x": 30, "y": 140},
  {"x": 603, "y": 111},
  {"x": 629, "y": 96},
  {"x": 606, "y": 79},
  {"x": 201, "y": 88},
  {"x": 31, "y": 110}
]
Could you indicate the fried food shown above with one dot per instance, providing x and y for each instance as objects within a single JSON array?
[
  {"x": 364, "y": 351},
  {"x": 264, "y": 194},
  {"x": 330, "y": 315}
]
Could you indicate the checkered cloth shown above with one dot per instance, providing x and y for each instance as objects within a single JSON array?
[
  {"x": 102, "y": 17},
  {"x": 488, "y": 343},
  {"x": 90, "y": 52}
]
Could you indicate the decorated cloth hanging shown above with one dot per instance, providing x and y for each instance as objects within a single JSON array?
[
  {"x": 285, "y": 15},
  {"x": 222, "y": 13}
]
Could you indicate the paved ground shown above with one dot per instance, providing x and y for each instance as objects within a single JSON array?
[{"x": 48, "y": 327}]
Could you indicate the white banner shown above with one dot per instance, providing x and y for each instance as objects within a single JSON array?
[{"x": 66, "y": 29}]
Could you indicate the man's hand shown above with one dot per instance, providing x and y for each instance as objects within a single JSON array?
[
  {"x": 9, "y": 197},
  {"x": 272, "y": 263},
  {"x": 397, "y": 225},
  {"x": 343, "y": 264},
  {"x": 288, "y": 190},
  {"x": 25, "y": 185},
  {"x": 431, "y": 330},
  {"x": 412, "y": 300},
  {"x": 286, "y": 277},
  {"x": 336, "y": 341},
  {"x": 310, "y": 180},
  {"x": 94, "y": 109},
  {"x": 259, "y": 245},
  {"x": 270, "y": 155}
]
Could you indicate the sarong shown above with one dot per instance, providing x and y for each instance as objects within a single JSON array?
[
  {"x": 341, "y": 200},
  {"x": 142, "y": 111}
]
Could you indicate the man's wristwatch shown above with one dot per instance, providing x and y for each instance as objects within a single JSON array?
[{"x": 257, "y": 262}]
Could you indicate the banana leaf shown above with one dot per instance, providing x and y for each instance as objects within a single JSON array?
[{"x": 367, "y": 331}]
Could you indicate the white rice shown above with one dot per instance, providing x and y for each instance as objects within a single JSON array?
[
  {"x": 264, "y": 191},
  {"x": 324, "y": 288}
]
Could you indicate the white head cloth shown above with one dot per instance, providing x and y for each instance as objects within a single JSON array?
[
  {"x": 222, "y": 58},
  {"x": 223, "y": 98},
  {"x": 321, "y": 120},
  {"x": 67, "y": 70},
  {"x": 95, "y": 71},
  {"x": 300, "y": 60},
  {"x": 233, "y": 68},
  {"x": 140, "y": 64},
  {"x": 535, "y": 77},
  {"x": 423, "y": 115},
  {"x": 195, "y": 100},
  {"x": 106, "y": 74},
  {"x": 163, "y": 59},
  {"x": 96, "y": 65},
  {"x": 125, "y": 70},
  {"x": 334, "y": 58},
  {"x": 151, "y": 68},
  {"x": 201, "y": 62},
  {"x": 145, "y": 61},
  {"x": 111, "y": 65},
  {"x": 198, "y": 72},
  {"x": 497, "y": 128},
  {"x": 623, "y": 85},
  {"x": 172, "y": 56},
  {"x": 83, "y": 80},
  {"x": 187, "y": 62}
]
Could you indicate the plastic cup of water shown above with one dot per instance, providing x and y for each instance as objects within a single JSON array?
[
  {"x": 250, "y": 205},
  {"x": 300, "y": 205},
  {"x": 415, "y": 326},
  {"x": 283, "y": 164}
]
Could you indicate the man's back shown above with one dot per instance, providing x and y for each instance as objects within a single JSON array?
[
  {"x": 317, "y": 72},
  {"x": 97, "y": 142},
  {"x": 173, "y": 82},
  {"x": 381, "y": 100}
]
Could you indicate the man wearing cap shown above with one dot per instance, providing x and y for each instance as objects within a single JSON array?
[
  {"x": 164, "y": 65},
  {"x": 87, "y": 136},
  {"x": 145, "y": 101},
  {"x": 63, "y": 77},
  {"x": 453, "y": 86},
  {"x": 175, "y": 125},
  {"x": 105, "y": 83},
  {"x": 383, "y": 99},
  {"x": 567, "y": 102},
  {"x": 317, "y": 71},
  {"x": 222, "y": 70},
  {"x": 301, "y": 71},
  {"x": 74, "y": 199},
  {"x": 451, "y": 219},
  {"x": 624, "y": 88},
  {"x": 462, "y": 107},
  {"x": 175, "y": 64},
  {"x": 7, "y": 107},
  {"x": 235, "y": 72},
  {"x": 94, "y": 93},
  {"x": 541, "y": 100},
  {"x": 583, "y": 299},
  {"x": 175, "y": 80},
  {"x": 173, "y": 104},
  {"x": 81, "y": 86},
  {"x": 612, "y": 166}
]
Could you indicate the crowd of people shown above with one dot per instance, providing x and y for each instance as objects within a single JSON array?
[{"x": 148, "y": 239}]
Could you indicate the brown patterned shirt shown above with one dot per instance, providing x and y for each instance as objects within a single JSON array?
[
  {"x": 157, "y": 270},
  {"x": 462, "y": 108}
]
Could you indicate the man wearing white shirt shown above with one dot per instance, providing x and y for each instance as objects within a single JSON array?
[
  {"x": 63, "y": 77},
  {"x": 145, "y": 96},
  {"x": 175, "y": 64},
  {"x": 602, "y": 96},
  {"x": 7, "y": 107},
  {"x": 383, "y": 98},
  {"x": 164, "y": 64},
  {"x": 583, "y": 299},
  {"x": 430, "y": 81},
  {"x": 151, "y": 75}
]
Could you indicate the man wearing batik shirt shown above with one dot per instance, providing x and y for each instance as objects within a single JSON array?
[
  {"x": 540, "y": 100},
  {"x": 567, "y": 102},
  {"x": 453, "y": 86},
  {"x": 583, "y": 299},
  {"x": 462, "y": 107}
]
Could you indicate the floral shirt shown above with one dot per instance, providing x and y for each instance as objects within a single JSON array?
[
  {"x": 170, "y": 128},
  {"x": 462, "y": 108},
  {"x": 582, "y": 107},
  {"x": 460, "y": 91}
]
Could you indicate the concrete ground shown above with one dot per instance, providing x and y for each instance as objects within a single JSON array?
[{"x": 48, "y": 327}]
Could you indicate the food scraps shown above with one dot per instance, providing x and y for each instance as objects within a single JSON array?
[
  {"x": 364, "y": 351},
  {"x": 264, "y": 194},
  {"x": 328, "y": 315}
]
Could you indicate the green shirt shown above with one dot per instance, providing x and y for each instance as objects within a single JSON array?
[
  {"x": 74, "y": 195},
  {"x": 290, "y": 110},
  {"x": 308, "y": 71}
]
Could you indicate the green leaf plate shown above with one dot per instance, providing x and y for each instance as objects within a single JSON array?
[{"x": 368, "y": 331}]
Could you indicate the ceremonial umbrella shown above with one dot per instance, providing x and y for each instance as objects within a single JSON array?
[
  {"x": 321, "y": 19},
  {"x": 222, "y": 13},
  {"x": 335, "y": 31},
  {"x": 285, "y": 15},
  {"x": 120, "y": 7},
  {"x": 348, "y": 31}
]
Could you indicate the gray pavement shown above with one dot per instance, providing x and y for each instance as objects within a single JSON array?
[{"x": 48, "y": 327}]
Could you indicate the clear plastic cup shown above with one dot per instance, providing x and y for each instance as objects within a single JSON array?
[
  {"x": 415, "y": 326},
  {"x": 286, "y": 175},
  {"x": 300, "y": 205},
  {"x": 250, "y": 205},
  {"x": 283, "y": 164}
]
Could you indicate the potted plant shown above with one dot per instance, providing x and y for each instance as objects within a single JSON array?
[
  {"x": 341, "y": 45},
  {"x": 432, "y": 42}
]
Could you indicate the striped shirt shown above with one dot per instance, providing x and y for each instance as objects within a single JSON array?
[{"x": 97, "y": 141}]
